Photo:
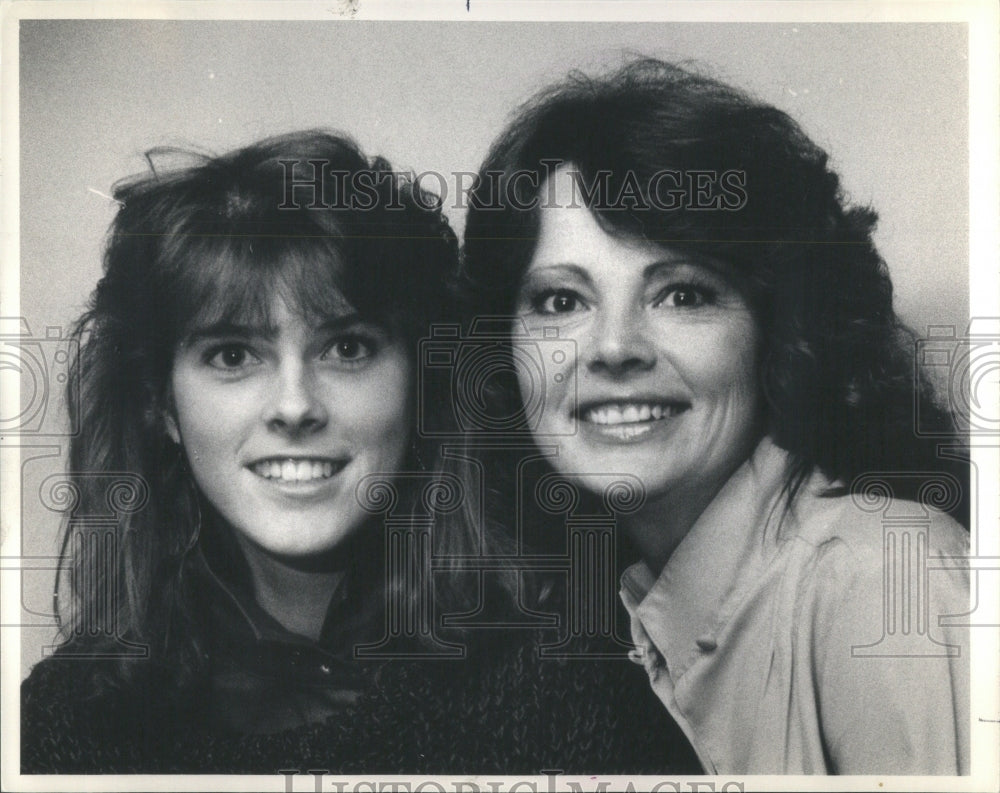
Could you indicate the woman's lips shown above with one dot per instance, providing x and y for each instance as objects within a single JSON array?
[
  {"x": 613, "y": 413},
  {"x": 297, "y": 469},
  {"x": 628, "y": 420}
]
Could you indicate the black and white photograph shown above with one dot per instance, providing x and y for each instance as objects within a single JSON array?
[{"x": 476, "y": 396}]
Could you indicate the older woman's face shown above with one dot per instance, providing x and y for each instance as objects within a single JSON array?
[{"x": 664, "y": 384}]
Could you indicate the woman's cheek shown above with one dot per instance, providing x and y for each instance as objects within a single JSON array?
[{"x": 377, "y": 410}]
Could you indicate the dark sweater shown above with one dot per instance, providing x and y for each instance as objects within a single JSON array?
[
  {"x": 266, "y": 701},
  {"x": 498, "y": 711}
]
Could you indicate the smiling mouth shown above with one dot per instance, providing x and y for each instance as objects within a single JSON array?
[
  {"x": 301, "y": 469},
  {"x": 628, "y": 420},
  {"x": 617, "y": 413}
]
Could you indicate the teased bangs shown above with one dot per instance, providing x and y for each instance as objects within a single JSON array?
[
  {"x": 235, "y": 280},
  {"x": 216, "y": 244}
]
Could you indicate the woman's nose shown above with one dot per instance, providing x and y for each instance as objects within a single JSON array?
[
  {"x": 621, "y": 344},
  {"x": 294, "y": 407}
]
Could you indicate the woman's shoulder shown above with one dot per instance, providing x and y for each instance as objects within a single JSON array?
[
  {"x": 88, "y": 714},
  {"x": 878, "y": 600},
  {"x": 66, "y": 684},
  {"x": 49, "y": 688},
  {"x": 842, "y": 551},
  {"x": 559, "y": 706},
  {"x": 65, "y": 726},
  {"x": 864, "y": 564},
  {"x": 861, "y": 521}
]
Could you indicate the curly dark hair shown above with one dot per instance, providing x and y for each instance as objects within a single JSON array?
[
  {"x": 214, "y": 241},
  {"x": 837, "y": 370}
]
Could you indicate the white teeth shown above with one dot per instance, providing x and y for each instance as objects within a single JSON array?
[
  {"x": 295, "y": 470},
  {"x": 629, "y": 413},
  {"x": 627, "y": 431}
]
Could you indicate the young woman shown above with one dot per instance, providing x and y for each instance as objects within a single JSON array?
[
  {"x": 246, "y": 362},
  {"x": 247, "y": 405},
  {"x": 735, "y": 353}
]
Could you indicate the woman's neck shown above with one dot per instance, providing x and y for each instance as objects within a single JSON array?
[
  {"x": 297, "y": 598},
  {"x": 663, "y": 522},
  {"x": 666, "y": 519}
]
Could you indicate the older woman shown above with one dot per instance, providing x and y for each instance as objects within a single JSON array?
[{"x": 737, "y": 352}]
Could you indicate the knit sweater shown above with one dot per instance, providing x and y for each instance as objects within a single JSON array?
[{"x": 501, "y": 710}]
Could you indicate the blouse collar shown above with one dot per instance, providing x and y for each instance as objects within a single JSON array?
[{"x": 684, "y": 608}]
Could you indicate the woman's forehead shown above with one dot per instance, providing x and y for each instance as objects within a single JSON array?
[
  {"x": 237, "y": 291},
  {"x": 575, "y": 234},
  {"x": 268, "y": 310}
]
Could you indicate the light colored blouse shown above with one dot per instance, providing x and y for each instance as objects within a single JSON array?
[{"x": 815, "y": 640}]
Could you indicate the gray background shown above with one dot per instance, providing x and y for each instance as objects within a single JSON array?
[{"x": 888, "y": 101}]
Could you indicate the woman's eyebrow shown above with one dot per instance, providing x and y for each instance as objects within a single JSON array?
[
  {"x": 231, "y": 330},
  {"x": 226, "y": 329},
  {"x": 671, "y": 263},
  {"x": 342, "y": 321},
  {"x": 561, "y": 267}
]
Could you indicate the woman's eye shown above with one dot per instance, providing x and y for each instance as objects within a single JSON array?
[
  {"x": 351, "y": 349},
  {"x": 686, "y": 296},
  {"x": 231, "y": 356},
  {"x": 557, "y": 301}
]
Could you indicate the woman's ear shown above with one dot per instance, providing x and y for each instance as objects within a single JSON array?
[
  {"x": 171, "y": 425},
  {"x": 165, "y": 405}
]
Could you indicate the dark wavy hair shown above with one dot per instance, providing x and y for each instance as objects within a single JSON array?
[
  {"x": 214, "y": 241},
  {"x": 837, "y": 365}
]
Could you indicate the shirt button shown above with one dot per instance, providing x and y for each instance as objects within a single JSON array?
[{"x": 706, "y": 643}]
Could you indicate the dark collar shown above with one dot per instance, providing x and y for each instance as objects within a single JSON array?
[{"x": 353, "y": 615}]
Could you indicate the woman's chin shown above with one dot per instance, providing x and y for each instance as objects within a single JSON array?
[
  {"x": 606, "y": 475},
  {"x": 655, "y": 469}
]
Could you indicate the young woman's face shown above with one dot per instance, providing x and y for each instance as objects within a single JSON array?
[
  {"x": 280, "y": 423},
  {"x": 664, "y": 382}
]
